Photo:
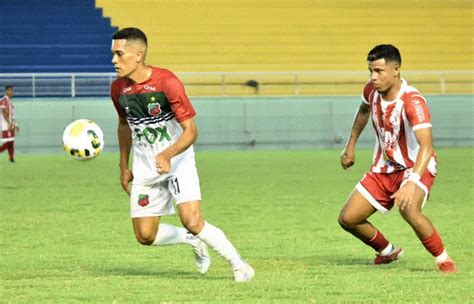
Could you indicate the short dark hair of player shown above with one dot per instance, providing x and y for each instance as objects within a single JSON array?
[
  {"x": 8, "y": 86},
  {"x": 385, "y": 51},
  {"x": 131, "y": 33}
]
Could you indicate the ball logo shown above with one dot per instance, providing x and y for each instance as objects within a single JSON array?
[
  {"x": 95, "y": 141},
  {"x": 154, "y": 109},
  {"x": 143, "y": 200}
]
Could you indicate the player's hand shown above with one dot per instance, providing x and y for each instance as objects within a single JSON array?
[
  {"x": 347, "y": 158},
  {"x": 126, "y": 176},
  {"x": 17, "y": 127},
  {"x": 163, "y": 163},
  {"x": 405, "y": 196}
]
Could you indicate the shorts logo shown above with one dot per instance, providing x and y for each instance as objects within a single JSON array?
[
  {"x": 143, "y": 200},
  {"x": 154, "y": 109}
]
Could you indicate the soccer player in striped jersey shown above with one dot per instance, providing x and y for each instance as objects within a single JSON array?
[
  {"x": 157, "y": 119},
  {"x": 8, "y": 123},
  {"x": 404, "y": 163}
]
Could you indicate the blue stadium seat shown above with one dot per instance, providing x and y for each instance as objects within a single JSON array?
[{"x": 54, "y": 36}]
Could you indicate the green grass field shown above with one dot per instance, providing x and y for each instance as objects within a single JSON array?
[{"x": 66, "y": 234}]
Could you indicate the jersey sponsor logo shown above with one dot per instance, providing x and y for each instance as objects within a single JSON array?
[
  {"x": 143, "y": 200},
  {"x": 128, "y": 89},
  {"x": 149, "y": 88},
  {"x": 154, "y": 109},
  {"x": 390, "y": 140},
  {"x": 418, "y": 110},
  {"x": 151, "y": 135}
]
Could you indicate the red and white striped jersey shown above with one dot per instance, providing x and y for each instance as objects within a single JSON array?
[
  {"x": 5, "y": 104},
  {"x": 396, "y": 147}
]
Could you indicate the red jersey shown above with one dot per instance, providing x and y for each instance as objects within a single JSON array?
[
  {"x": 153, "y": 109},
  {"x": 394, "y": 122},
  {"x": 5, "y": 104}
]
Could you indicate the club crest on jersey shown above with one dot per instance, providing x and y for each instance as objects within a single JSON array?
[
  {"x": 154, "y": 109},
  {"x": 143, "y": 200}
]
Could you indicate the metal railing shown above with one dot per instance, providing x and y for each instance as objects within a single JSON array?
[{"x": 292, "y": 83}]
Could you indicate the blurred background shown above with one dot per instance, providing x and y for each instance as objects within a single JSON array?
[{"x": 261, "y": 74}]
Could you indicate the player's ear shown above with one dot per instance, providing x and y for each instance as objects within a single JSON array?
[
  {"x": 141, "y": 53},
  {"x": 396, "y": 70}
]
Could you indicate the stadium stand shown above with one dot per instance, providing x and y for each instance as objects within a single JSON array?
[
  {"x": 54, "y": 36},
  {"x": 297, "y": 35},
  {"x": 327, "y": 37}
]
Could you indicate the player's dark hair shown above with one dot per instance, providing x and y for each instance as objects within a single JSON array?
[
  {"x": 8, "y": 86},
  {"x": 131, "y": 33},
  {"x": 385, "y": 51}
]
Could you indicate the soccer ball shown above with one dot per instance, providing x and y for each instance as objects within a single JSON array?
[{"x": 83, "y": 139}]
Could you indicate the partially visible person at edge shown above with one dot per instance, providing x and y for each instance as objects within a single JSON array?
[
  {"x": 157, "y": 118},
  {"x": 8, "y": 123},
  {"x": 404, "y": 163}
]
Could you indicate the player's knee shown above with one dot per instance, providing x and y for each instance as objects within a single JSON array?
[
  {"x": 344, "y": 220},
  {"x": 145, "y": 238},
  {"x": 413, "y": 217},
  {"x": 193, "y": 224}
]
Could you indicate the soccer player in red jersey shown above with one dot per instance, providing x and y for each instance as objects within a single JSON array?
[
  {"x": 404, "y": 163},
  {"x": 157, "y": 119},
  {"x": 8, "y": 123}
]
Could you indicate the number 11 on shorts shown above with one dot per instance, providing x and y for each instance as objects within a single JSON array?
[{"x": 175, "y": 183}]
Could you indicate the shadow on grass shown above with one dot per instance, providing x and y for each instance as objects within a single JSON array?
[
  {"x": 367, "y": 263},
  {"x": 163, "y": 273},
  {"x": 327, "y": 260}
]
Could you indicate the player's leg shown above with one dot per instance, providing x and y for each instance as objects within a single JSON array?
[
  {"x": 11, "y": 151},
  {"x": 5, "y": 140},
  {"x": 185, "y": 188},
  {"x": 353, "y": 218},
  {"x": 149, "y": 231},
  {"x": 147, "y": 205},
  {"x": 8, "y": 137},
  {"x": 192, "y": 218},
  {"x": 425, "y": 230},
  {"x": 4, "y": 146}
]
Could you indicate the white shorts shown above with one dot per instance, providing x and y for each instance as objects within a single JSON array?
[{"x": 157, "y": 199}]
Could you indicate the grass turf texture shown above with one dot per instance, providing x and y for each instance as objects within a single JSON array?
[{"x": 66, "y": 234}]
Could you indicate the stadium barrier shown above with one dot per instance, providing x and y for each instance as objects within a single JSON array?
[
  {"x": 296, "y": 83},
  {"x": 243, "y": 123}
]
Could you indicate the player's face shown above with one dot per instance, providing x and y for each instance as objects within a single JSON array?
[
  {"x": 126, "y": 57},
  {"x": 9, "y": 92},
  {"x": 383, "y": 75}
]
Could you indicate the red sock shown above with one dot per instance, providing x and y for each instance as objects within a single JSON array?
[
  {"x": 434, "y": 244},
  {"x": 11, "y": 151},
  {"x": 4, "y": 147},
  {"x": 378, "y": 242}
]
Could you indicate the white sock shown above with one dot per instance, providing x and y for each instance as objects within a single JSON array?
[
  {"x": 171, "y": 235},
  {"x": 387, "y": 250},
  {"x": 442, "y": 257},
  {"x": 216, "y": 239}
]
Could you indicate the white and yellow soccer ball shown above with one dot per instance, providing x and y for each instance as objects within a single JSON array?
[{"x": 83, "y": 139}]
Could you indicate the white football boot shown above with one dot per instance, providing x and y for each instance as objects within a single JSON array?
[
  {"x": 244, "y": 273},
  {"x": 203, "y": 259}
]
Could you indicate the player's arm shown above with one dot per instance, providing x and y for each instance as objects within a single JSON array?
[
  {"x": 360, "y": 121},
  {"x": 6, "y": 115},
  {"x": 425, "y": 140},
  {"x": 187, "y": 138},
  {"x": 125, "y": 144}
]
